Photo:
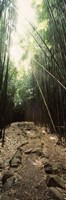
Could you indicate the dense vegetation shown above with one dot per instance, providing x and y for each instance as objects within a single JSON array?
[{"x": 38, "y": 94}]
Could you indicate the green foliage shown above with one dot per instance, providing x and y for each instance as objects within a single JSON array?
[
  {"x": 12, "y": 80},
  {"x": 49, "y": 49},
  {"x": 43, "y": 54},
  {"x": 7, "y": 22},
  {"x": 24, "y": 88}
]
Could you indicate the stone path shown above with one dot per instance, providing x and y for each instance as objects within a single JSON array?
[{"x": 32, "y": 164}]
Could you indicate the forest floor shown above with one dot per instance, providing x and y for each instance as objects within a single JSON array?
[{"x": 32, "y": 164}]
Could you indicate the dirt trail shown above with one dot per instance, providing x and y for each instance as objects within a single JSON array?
[{"x": 32, "y": 161}]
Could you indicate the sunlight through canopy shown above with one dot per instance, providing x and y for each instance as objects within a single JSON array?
[{"x": 24, "y": 11}]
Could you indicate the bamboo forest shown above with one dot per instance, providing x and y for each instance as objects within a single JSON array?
[{"x": 33, "y": 99}]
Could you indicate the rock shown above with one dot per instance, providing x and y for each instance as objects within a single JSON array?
[
  {"x": 6, "y": 176},
  {"x": 18, "y": 154},
  {"x": 48, "y": 168},
  {"x": 56, "y": 169},
  {"x": 54, "y": 193},
  {"x": 24, "y": 143},
  {"x": 33, "y": 135},
  {"x": 55, "y": 181},
  {"x": 28, "y": 151},
  {"x": 53, "y": 138},
  {"x": 7, "y": 185},
  {"x": 38, "y": 151},
  {"x": 64, "y": 168},
  {"x": 16, "y": 159},
  {"x": 15, "y": 162},
  {"x": 44, "y": 132}
]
